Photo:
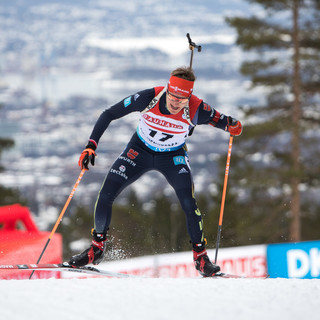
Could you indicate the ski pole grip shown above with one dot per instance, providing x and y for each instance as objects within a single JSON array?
[{"x": 192, "y": 45}]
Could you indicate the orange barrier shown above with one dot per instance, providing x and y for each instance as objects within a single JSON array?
[{"x": 21, "y": 242}]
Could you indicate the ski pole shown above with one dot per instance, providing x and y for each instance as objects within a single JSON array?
[
  {"x": 60, "y": 217},
  {"x": 223, "y": 197},
  {"x": 192, "y": 45}
]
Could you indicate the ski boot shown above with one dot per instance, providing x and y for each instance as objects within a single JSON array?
[
  {"x": 94, "y": 254},
  {"x": 202, "y": 262}
]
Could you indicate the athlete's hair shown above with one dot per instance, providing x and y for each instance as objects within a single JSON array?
[{"x": 184, "y": 73}]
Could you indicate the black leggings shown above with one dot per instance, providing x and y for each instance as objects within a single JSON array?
[{"x": 134, "y": 161}]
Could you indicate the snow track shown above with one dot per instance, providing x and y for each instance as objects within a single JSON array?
[{"x": 160, "y": 299}]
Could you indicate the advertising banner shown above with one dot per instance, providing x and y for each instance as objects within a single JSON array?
[
  {"x": 294, "y": 260},
  {"x": 242, "y": 261}
]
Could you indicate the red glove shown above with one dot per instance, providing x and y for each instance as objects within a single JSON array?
[
  {"x": 87, "y": 155},
  {"x": 234, "y": 126}
]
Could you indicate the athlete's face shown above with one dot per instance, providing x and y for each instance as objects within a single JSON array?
[{"x": 176, "y": 103}]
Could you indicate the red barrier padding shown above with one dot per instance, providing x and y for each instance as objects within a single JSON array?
[{"x": 22, "y": 242}]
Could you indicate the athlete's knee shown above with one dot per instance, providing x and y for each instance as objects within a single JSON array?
[
  {"x": 108, "y": 193},
  {"x": 185, "y": 195},
  {"x": 188, "y": 204},
  {"x": 105, "y": 198}
]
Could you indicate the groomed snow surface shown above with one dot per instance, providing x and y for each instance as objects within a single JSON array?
[{"x": 160, "y": 298}]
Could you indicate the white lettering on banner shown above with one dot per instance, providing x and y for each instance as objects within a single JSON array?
[
  {"x": 254, "y": 266},
  {"x": 315, "y": 262},
  {"x": 300, "y": 263}
]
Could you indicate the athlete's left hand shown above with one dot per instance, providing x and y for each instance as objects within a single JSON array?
[{"x": 234, "y": 126}]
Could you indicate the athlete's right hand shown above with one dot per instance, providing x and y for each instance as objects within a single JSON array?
[{"x": 87, "y": 155}]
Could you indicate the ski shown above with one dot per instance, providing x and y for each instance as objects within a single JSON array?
[
  {"x": 98, "y": 272},
  {"x": 234, "y": 276},
  {"x": 227, "y": 275},
  {"x": 65, "y": 267}
]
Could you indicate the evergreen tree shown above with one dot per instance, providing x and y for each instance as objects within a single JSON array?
[
  {"x": 279, "y": 164},
  {"x": 75, "y": 226},
  {"x": 158, "y": 228},
  {"x": 168, "y": 225},
  {"x": 130, "y": 228},
  {"x": 236, "y": 222},
  {"x": 8, "y": 195}
]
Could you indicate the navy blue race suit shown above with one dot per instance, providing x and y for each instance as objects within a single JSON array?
[{"x": 139, "y": 156}]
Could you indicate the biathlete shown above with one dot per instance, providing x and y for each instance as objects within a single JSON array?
[{"x": 167, "y": 116}]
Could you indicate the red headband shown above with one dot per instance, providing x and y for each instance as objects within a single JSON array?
[{"x": 180, "y": 86}]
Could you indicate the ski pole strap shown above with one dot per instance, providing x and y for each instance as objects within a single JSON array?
[
  {"x": 154, "y": 101},
  {"x": 186, "y": 112}
]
